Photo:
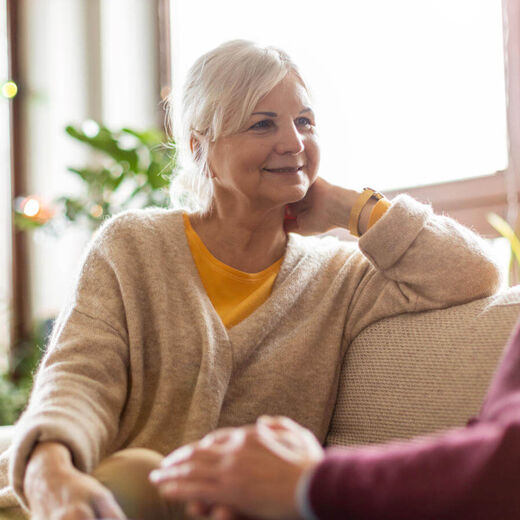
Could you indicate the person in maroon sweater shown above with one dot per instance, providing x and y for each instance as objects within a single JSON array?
[{"x": 277, "y": 469}]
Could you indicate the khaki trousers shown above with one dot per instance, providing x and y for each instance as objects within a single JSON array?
[{"x": 125, "y": 473}]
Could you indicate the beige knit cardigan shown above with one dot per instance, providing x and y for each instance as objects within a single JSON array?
[{"x": 139, "y": 357}]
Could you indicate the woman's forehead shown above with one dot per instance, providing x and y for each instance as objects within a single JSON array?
[{"x": 288, "y": 94}]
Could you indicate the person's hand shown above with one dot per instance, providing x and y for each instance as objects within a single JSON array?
[
  {"x": 324, "y": 207},
  {"x": 311, "y": 215},
  {"x": 56, "y": 490},
  {"x": 253, "y": 470}
]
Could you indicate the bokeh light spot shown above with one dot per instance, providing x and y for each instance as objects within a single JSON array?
[
  {"x": 90, "y": 128},
  {"x": 31, "y": 207},
  {"x": 9, "y": 89},
  {"x": 96, "y": 211}
]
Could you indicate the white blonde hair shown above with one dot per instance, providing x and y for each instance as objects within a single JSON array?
[{"x": 221, "y": 91}]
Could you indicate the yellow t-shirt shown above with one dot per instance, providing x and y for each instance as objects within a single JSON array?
[
  {"x": 236, "y": 294},
  {"x": 233, "y": 293}
]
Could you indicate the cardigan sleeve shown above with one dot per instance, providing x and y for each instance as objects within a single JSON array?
[
  {"x": 467, "y": 473},
  {"x": 417, "y": 261},
  {"x": 81, "y": 385}
]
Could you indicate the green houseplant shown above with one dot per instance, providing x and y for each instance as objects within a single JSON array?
[
  {"x": 129, "y": 169},
  {"x": 16, "y": 382}
]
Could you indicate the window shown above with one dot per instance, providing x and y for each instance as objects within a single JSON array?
[{"x": 409, "y": 93}]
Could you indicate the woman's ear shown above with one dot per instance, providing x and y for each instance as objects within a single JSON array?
[{"x": 194, "y": 146}]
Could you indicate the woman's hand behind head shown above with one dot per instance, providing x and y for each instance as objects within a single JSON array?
[{"x": 323, "y": 208}]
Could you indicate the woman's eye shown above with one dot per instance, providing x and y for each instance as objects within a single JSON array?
[
  {"x": 262, "y": 125},
  {"x": 305, "y": 121}
]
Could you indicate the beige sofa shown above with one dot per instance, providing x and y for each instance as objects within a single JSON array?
[{"x": 414, "y": 374}]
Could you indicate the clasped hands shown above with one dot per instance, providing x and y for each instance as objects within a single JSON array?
[{"x": 239, "y": 472}]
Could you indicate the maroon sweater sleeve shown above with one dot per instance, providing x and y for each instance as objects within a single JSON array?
[{"x": 468, "y": 473}]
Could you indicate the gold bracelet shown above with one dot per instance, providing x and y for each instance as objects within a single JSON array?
[{"x": 357, "y": 208}]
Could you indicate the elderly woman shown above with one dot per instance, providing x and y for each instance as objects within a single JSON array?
[{"x": 183, "y": 322}]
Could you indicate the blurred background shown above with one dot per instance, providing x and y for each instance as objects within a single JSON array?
[{"x": 411, "y": 96}]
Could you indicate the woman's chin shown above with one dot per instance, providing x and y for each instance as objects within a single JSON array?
[
  {"x": 296, "y": 193},
  {"x": 284, "y": 192},
  {"x": 289, "y": 193}
]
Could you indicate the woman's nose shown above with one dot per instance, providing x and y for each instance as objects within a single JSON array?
[{"x": 289, "y": 140}]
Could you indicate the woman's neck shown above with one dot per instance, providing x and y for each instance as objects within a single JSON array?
[{"x": 248, "y": 242}]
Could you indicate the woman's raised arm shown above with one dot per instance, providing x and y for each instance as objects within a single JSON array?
[{"x": 417, "y": 260}]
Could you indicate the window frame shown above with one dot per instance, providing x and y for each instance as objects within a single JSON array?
[{"x": 20, "y": 326}]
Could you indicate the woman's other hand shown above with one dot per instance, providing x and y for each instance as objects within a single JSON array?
[
  {"x": 324, "y": 207},
  {"x": 252, "y": 470},
  {"x": 55, "y": 489}
]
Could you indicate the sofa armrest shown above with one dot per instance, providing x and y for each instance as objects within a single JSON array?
[{"x": 415, "y": 374}]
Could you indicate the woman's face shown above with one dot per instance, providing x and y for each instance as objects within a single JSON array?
[{"x": 274, "y": 159}]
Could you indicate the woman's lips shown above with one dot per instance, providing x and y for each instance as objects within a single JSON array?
[{"x": 293, "y": 169}]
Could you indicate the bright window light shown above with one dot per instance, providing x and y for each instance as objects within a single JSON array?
[{"x": 407, "y": 92}]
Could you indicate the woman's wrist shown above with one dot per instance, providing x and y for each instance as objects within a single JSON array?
[
  {"x": 340, "y": 205},
  {"x": 46, "y": 456}
]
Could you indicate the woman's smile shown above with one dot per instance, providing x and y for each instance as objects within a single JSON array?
[{"x": 284, "y": 169}]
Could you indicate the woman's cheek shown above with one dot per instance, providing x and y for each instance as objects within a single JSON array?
[{"x": 314, "y": 161}]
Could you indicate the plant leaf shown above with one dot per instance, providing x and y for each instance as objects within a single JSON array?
[
  {"x": 149, "y": 138},
  {"x": 507, "y": 232},
  {"x": 107, "y": 142}
]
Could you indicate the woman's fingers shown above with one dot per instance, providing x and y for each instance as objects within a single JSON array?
[
  {"x": 297, "y": 207},
  {"x": 290, "y": 226},
  {"x": 68, "y": 494}
]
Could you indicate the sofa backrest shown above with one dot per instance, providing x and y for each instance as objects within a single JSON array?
[{"x": 415, "y": 374}]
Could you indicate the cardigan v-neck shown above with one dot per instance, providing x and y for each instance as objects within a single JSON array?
[
  {"x": 234, "y": 294},
  {"x": 251, "y": 330}
]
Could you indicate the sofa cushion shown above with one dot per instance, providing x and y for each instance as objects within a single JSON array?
[{"x": 415, "y": 374}]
